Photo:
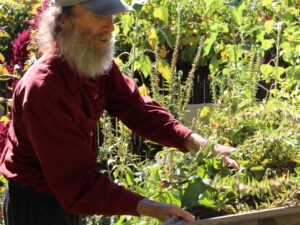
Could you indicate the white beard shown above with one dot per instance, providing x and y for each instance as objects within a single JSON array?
[{"x": 81, "y": 52}]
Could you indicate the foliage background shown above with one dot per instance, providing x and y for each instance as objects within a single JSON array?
[{"x": 240, "y": 49}]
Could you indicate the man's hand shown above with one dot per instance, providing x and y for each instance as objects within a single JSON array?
[
  {"x": 162, "y": 211},
  {"x": 194, "y": 141},
  {"x": 224, "y": 152}
]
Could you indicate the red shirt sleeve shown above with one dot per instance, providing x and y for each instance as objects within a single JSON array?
[
  {"x": 143, "y": 115},
  {"x": 69, "y": 165}
]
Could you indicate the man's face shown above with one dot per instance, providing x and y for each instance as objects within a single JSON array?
[
  {"x": 98, "y": 28},
  {"x": 86, "y": 42}
]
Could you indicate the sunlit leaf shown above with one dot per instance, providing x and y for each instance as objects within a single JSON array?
[
  {"x": 143, "y": 64},
  {"x": 2, "y": 58},
  {"x": 208, "y": 4},
  {"x": 127, "y": 23},
  {"x": 3, "y": 70},
  {"x": 267, "y": 3},
  {"x": 4, "y": 119},
  {"x": 4, "y": 34},
  {"x": 266, "y": 69},
  {"x": 219, "y": 27},
  {"x": 116, "y": 30},
  {"x": 269, "y": 24},
  {"x": 248, "y": 94},
  {"x": 119, "y": 62},
  {"x": 164, "y": 69},
  {"x": 279, "y": 71},
  {"x": 162, "y": 13},
  {"x": 153, "y": 39},
  {"x": 163, "y": 52},
  {"x": 297, "y": 161},
  {"x": 144, "y": 91},
  {"x": 257, "y": 168},
  {"x": 215, "y": 123},
  {"x": 208, "y": 202},
  {"x": 129, "y": 176},
  {"x": 205, "y": 111},
  {"x": 267, "y": 44}
]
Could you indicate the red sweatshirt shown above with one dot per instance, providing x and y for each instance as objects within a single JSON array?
[{"x": 50, "y": 142}]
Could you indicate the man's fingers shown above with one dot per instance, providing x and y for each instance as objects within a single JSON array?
[
  {"x": 187, "y": 216},
  {"x": 230, "y": 162}
]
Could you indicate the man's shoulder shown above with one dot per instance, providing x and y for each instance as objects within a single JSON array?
[{"x": 42, "y": 78}]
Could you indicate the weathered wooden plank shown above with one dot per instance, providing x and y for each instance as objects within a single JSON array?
[{"x": 276, "y": 216}]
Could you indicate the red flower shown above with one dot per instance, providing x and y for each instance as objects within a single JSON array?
[{"x": 19, "y": 52}]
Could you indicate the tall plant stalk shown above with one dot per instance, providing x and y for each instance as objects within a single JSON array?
[{"x": 186, "y": 93}]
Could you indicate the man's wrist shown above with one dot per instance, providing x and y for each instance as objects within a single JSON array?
[{"x": 194, "y": 142}]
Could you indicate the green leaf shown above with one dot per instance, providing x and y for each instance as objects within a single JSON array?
[
  {"x": 129, "y": 176},
  {"x": 214, "y": 65},
  {"x": 164, "y": 69},
  {"x": 260, "y": 36},
  {"x": 288, "y": 18},
  {"x": 219, "y": 27},
  {"x": 2, "y": 58},
  {"x": 278, "y": 71},
  {"x": 257, "y": 168},
  {"x": 205, "y": 111},
  {"x": 153, "y": 38},
  {"x": 143, "y": 64},
  {"x": 267, "y": 3},
  {"x": 137, "y": 5},
  {"x": 4, "y": 73},
  {"x": 208, "y": 43},
  {"x": 267, "y": 44},
  {"x": 192, "y": 192},
  {"x": 127, "y": 22},
  {"x": 232, "y": 50},
  {"x": 140, "y": 190},
  {"x": 248, "y": 94},
  {"x": 162, "y": 13},
  {"x": 188, "y": 53},
  {"x": 269, "y": 26},
  {"x": 237, "y": 11},
  {"x": 208, "y": 202},
  {"x": 266, "y": 69},
  {"x": 202, "y": 172},
  {"x": 4, "y": 34},
  {"x": 208, "y": 4},
  {"x": 144, "y": 91}
]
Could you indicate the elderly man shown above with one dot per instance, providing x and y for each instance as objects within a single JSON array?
[{"x": 50, "y": 156}]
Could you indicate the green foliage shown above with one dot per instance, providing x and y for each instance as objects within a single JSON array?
[{"x": 242, "y": 43}]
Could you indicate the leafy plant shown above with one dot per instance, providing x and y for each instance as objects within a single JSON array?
[{"x": 248, "y": 47}]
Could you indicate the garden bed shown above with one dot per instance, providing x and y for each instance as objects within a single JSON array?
[{"x": 275, "y": 216}]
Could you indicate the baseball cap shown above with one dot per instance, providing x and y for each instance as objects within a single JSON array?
[{"x": 99, "y": 7}]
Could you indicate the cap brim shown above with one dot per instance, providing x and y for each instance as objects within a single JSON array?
[{"x": 106, "y": 7}]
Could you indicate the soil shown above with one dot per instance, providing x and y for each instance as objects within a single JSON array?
[{"x": 202, "y": 212}]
